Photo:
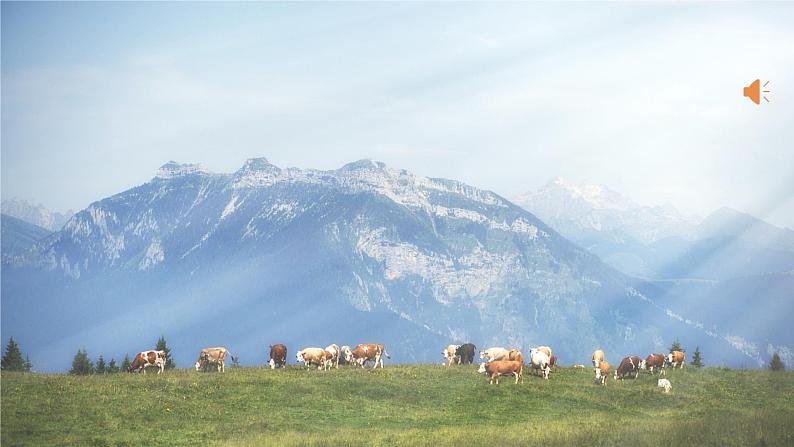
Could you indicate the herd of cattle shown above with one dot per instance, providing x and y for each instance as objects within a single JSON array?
[{"x": 497, "y": 361}]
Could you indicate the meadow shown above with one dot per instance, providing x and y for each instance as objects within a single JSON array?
[{"x": 399, "y": 405}]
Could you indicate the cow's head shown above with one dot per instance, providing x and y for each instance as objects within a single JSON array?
[
  {"x": 299, "y": 356},
  {"x": 481, "y": 369},
  {"x": 597, "y": 373},
  {"x": 669, "y": 359},
  {"x": 272, "y": 364},
  {"x": 643, "y": 364}
]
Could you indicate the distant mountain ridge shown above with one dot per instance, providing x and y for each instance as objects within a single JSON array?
[
  {"x": 659, "y": 242},
  {"x": 305, "y": 257},
  {"x": 35, "y": 214}
]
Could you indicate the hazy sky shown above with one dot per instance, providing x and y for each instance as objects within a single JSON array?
[{"x": 644, "y": 98}]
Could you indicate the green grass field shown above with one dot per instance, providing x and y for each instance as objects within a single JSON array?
[{"x": 400, "y": 405}]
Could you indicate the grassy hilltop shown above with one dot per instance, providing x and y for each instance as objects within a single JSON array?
[{"x": 400, "y": 405}]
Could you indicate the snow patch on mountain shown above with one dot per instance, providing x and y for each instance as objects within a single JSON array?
[
  {"x": 154, "y": 255},
  {"x": 173, "y": 169}
]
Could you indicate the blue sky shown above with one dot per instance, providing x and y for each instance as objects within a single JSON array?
[{"x": 645, "y": 98}]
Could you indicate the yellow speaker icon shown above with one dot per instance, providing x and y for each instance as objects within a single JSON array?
[{"x": 753, "y": 91}]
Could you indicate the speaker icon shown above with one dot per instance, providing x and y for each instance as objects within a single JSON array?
[{"x": 753, "y": 91}]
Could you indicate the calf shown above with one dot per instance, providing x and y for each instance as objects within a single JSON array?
[
  {"x": 450, "y": 354},
  {"x": 601, "y": 372},
  {"x": 664, "y": 385},
  {"x": 465, "y": 353},
  {"x": 628, "y": 366},
  {"x": 278, "y": 356},
  {"x": 502, "y": 368},
  {"x": 148, "y": 358}
]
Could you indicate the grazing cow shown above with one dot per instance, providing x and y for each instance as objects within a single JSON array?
[
  {"x": 148, "y": 358},
  {"x": 539, "y": 360},
  {"x": 334, "y": 351},
  {"x": 503, "y": 368},
  {"x": 491, "y": 354},
  {"x": 312, "y": 356},
  {"x": 654, "y": 361},
  {"x": 278, "y": 356},
  {"x": 628, "y": 366},
  {"x": 366, "y": 352},
  {"x": 450, "y": 354},
  {"x": 664, "y": 385},
  {"x": 344, "y": 354},
  {"x": 212, "y": 356},
  {"x": 598, "y": 357},
  {"x": 465, "y": 353},
  {"x": 676, "y": 359},
  {"x": 601, "y": 372}
]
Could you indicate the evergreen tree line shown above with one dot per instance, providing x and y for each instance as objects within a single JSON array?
[{"x": 12, "y": 358}]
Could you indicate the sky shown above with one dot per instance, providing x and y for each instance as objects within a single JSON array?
[{"x": 645, "y": 98}]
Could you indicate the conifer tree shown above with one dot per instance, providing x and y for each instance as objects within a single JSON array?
[
  {"x": 125, "y": 364},
  {"x": 12, "y": 358},
  {"x": 112, "y": 366},
  {"x": 676, "y": 346},
  {"x": 81, "y": 364},
  {"x": 776, "y": 364},
  {"x": 101, "y": 367},
  {"x": 697, "y": 359}
]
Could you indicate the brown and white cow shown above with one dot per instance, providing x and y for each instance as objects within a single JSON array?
[
  {"x": 495, "y": 353},
  {"x": 278, "y": 356},
  {"x": 366, "y": 352},
  {"x": 598, "y": 357},
  {"x": 503, "y": 368},
  {"x": 312, "y": 356},
  {"x": 601, "y": 372},
  {"x": 628, "y": 366},
  {"x": 539, "y": 360},
  {"x": 212, "y": 356},
  {"x": 654, "y": 361},
  {"x": 676, "y": 359},
  {"x": 451, "y": 355},
  {"x": 148, "y": 358},
  {"x": 333, "y": 349}
]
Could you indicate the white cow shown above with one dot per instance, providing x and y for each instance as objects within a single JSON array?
[
  {"x": 312, "y": 356},
  {"x": 664, "y": 385},
  {"x": 540, "y": 361},
  {"x": 491, "y": 354}
]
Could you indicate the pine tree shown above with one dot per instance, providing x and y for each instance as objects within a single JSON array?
[
  {"x": 162, "y": 346},
  {"x": 112, "y": 366},
  {"x": 776, "y": 364},
  {"x": 12, "y": 359},
  {"x": 676, "y": 346},
  {"x": 125, "y": 364},
  {"x": 101, "y": 367},
  {"x": 28, "y": 365},
  {"x": 697, "y": 360},
  {"x": 81, "y": 364}
]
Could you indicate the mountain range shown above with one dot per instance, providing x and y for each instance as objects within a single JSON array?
[
  {"x": 363, "y": 253},
  {"x": 35, "y": 213}
]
